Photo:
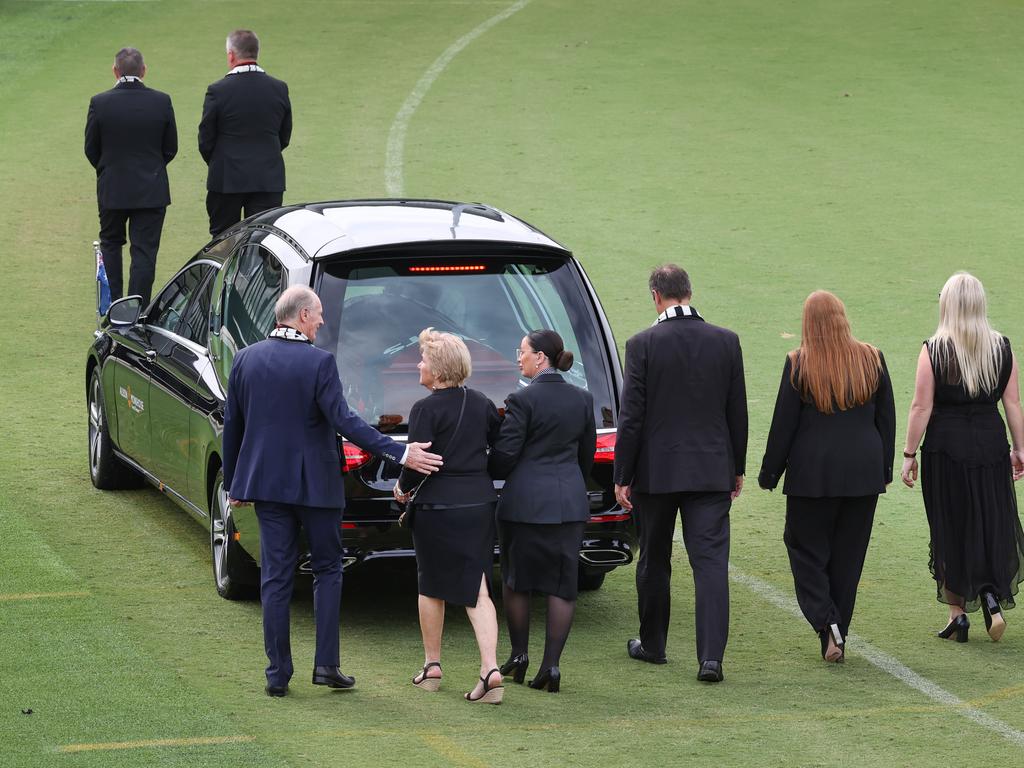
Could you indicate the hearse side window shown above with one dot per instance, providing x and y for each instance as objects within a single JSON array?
[
  {"x": 253, "y": 284},
  {"x": 373, "y": 313},
  {"x": 195, "y": 325},
  {"x": 170, "y": 306}
]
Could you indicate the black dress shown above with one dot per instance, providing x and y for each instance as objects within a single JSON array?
[
  {"x": 966, "y": 479},
  {"x": 453, "y": 532}
]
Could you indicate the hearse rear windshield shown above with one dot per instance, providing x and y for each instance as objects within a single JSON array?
[{"x": 374, "y": 312}]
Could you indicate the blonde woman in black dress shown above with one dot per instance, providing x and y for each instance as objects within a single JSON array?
[
  {"x": 453, "y": 510},
  {"x": 967, "y": 467}
]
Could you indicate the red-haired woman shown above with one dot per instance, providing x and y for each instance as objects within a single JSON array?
[{"x": 834, "y": 435}]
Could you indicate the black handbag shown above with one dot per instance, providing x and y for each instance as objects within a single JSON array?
[{"x": 408, "y": 517}]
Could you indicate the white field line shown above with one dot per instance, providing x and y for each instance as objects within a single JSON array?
[
  {"x": 394, "y": 160},
  {"x": 878, "y": 658}
]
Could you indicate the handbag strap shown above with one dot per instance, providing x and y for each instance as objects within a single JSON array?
[{"x": 451, "y": 442}]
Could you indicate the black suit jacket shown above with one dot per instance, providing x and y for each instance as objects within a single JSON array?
[
  {"x": 130, "y": 137},
  {"x": 845, "y": 453},
  {"x": 544, "y": 452},
  {"x": 683, "y": 418},
  {"x": 463, "y": 479},
  {"x": 247, "y": 121}
]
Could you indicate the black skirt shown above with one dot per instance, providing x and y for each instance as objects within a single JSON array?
[
  {"x": 538, "y": 557},
  {"x": 454, "y": 550}
]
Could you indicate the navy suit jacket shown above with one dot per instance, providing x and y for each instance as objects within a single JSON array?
[
  {"x": 130, "y": 137},
  {"x": 544, "y": 452},
  {"x": 284, "y": 411}
]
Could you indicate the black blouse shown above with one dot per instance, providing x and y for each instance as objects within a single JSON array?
[
  {"x": 843, "y": 453},
  {"x": 463, "y": 479}
]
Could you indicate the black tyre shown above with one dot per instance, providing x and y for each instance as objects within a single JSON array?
[
  {"x": 107, "y": 472},
  {"x": 591, "y": 580},
  {"x": 235, "y": 574}
]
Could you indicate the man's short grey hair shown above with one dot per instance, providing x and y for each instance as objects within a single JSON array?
[
  {"x": 293, "y": 301},
  {"x": 671, "y": 282},
  {"x": 128, "y": 61},
  {"x": 244, "y": 43}
]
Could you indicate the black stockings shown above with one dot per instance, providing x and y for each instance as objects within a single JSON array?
[{"x": 559, "y": 622}]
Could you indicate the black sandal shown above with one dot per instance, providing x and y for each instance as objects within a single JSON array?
[
  {"x": 491, "y": 695},
  {"x": 424, "y": 683}
]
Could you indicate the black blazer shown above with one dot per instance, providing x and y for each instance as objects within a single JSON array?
[
  {"x": 247, "y": 121},
  {"x": 463, "y": 479},
  {"x": 130, "y": 137},
  {"x": 545, "y": 452},
  {"x": 683, "y": 418},
  {"x": 845, "y": 453}
]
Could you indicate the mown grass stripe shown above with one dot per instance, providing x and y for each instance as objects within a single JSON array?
[
  {"x": 40, "y": 596},
  {"x": 451, "y": 751},
  {"x": 197, "y": 741}
]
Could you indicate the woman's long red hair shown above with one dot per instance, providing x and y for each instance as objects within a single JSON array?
[{"x": 831, "y": 368}]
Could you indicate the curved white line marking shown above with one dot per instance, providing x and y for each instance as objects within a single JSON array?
[{"x": 393, "y": 180}]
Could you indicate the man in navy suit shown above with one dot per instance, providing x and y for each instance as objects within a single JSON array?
[
  {"x": 130, "y": 137},
  {"x": 246, "y": 123},
  {"x": 284, "y": 410}
]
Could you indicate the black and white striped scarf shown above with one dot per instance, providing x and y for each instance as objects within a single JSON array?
[{"x": 288, "y": 334}]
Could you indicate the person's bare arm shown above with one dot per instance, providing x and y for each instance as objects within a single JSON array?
[{"x": 920, "y": 413}]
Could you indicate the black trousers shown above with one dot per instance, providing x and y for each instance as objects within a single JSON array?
[
  {"x": 225, "y": 208},
  {"x": 827, "y": 539},
  {"x": 144, "y": 227},
  {"x": 705, "y": 519}
]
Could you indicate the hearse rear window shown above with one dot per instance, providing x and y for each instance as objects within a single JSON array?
[{"x": 374, "y": 312}]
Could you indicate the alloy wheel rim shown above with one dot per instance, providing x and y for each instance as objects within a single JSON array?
[
  {"x": 218, "y": 535},
  {"x": 95, "y": 422}
]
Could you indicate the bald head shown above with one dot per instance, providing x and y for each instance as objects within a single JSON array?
[{"x": 299, "y": 307}]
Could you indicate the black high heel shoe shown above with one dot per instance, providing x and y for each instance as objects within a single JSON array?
[
  {"x": 957, "y": 627},
  {"x": 551, "y": 678},
  {"x": 995, "y": 624},
  {"x": 832, "y": 632},
  {"x": 516, "y": 666}
]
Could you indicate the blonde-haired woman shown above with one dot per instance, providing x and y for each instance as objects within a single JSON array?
[
  {"x": 977, "y": 546},
  {"x": 453, "y": 510},
  {"x": 834, "y": 435}
]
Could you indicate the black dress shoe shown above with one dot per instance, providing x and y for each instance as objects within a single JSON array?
[
  {"x": 995, "y": 624},
  {"x": 277, "y": 691},
  {"x": 957, "y": 629},
  {"x": 332, "y": 677},
  {"x": 636, "y": 650},
  {"x": 710, "y": 672},
  {"x": 550, "y": 678},
  {"x": 516, "y": 666}
]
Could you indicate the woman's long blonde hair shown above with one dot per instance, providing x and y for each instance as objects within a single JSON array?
[
  {"x": 831, "y": 368},
  {"x": 965, "y": 348}
]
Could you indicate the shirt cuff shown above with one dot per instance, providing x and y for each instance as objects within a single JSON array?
[{"x": 405, "y": 455}]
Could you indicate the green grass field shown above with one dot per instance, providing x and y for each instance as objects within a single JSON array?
[{"x": 867, "y": 147}]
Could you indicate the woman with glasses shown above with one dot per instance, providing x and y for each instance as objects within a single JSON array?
[
  {"x": 544, "y": 452},
  {"x": 977, "y": 547}
]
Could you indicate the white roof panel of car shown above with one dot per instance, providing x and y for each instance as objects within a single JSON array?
[{"x": 348, "y": 227}]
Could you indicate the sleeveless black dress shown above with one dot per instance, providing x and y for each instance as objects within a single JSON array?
[{"x": 966, "y": 479}]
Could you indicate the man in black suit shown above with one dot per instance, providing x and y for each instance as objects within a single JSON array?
[
  {"x": 682, "y": 446},
  {"x": 130, "y": 137},
  {"x": 247, "y": 122}
]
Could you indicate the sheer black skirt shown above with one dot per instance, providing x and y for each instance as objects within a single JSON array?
[{"x": 976, "y": 540}]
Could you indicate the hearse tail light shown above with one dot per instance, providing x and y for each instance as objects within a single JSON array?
[
  {"x": 438, "y": 268},
  {"x": 355, "y": 457},
  {"x": 605, "y": 451}
]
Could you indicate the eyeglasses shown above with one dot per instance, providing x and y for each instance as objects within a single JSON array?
[{"x": 520, "y": 353}]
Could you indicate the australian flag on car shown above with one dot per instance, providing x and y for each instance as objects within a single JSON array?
[{"x": 102, "y": 286}]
